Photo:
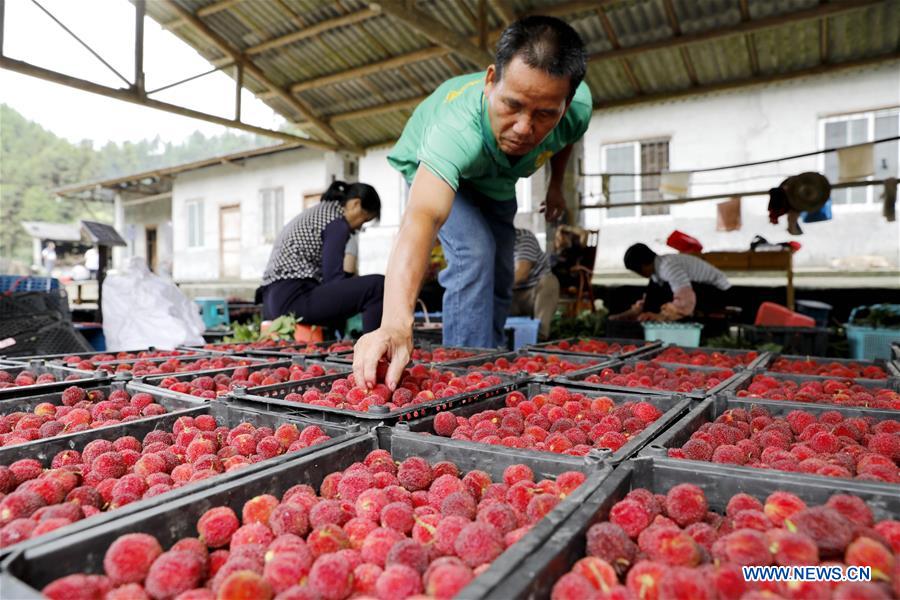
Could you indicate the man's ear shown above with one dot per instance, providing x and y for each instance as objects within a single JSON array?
[{"x": 490, "y": 75}]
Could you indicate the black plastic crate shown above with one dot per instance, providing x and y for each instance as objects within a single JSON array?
[
  {"x": 580, "y": 377},
  {"x": 887, "y": 366},
  {"x": 708, "y": 410},
  {"x": 153, "y": 381},
  {"x": 271, "y": 398},
  {"x": 654, "y": 355},
  {"x": 538, "y": 572},
  {"x": 45, "y": 450},
  {"x": 39, "y": 367},
  {"x": 30, "y": 570},
  {"x": 475, "y": 353},
  {"x": 318, "y": 349},
  {"x": 239, "y": 360},
  {"x": 642, "y": 347},
  {"x": 811, "y": 341},
  {"x": 87, "y": 355},
  {"x": 746, "y": 379},
  {"x": 586, "y": 361},
  {"x": 672, "y": 407}
]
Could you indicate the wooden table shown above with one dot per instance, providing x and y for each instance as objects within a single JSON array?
[{"x": 755, "y": 261}]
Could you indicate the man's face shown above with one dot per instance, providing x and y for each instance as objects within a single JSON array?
[{"x": 524, "y": 106}]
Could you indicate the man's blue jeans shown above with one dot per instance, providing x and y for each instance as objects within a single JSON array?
[{"x": 478, "y": 239}]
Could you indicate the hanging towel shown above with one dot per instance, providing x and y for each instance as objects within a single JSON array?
[
  {"x": 778, "y": 204},
  {"x": 889, "y": 195},
  {"x": 856, "y": 162},
  {"x": 675, "y": 184},
  {"x": 729, "y": 215}
]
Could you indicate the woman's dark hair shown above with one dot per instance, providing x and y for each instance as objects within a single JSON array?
[
  {"x": 637, "y": 256},
  {"x": 341, "y": 191},
  {"x": 544, "y": 43}
]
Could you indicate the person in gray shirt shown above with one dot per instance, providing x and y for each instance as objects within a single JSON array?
[
  {"x": 680, "y": 285},
  {"x": 535, "y": 287}
]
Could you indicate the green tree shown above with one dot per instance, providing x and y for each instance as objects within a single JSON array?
[{"x": 34, "y": 162}]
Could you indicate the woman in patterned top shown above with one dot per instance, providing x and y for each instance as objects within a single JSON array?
[{"x": 305, "y": 274}]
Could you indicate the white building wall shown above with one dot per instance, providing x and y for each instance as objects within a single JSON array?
[
  {"x": 378, "y": 237},
  {"x": 750, "y": 124},
  {"x": 299, "y": 172}
]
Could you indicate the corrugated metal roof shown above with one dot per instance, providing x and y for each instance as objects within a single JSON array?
[{"x": 786, "y": 47}]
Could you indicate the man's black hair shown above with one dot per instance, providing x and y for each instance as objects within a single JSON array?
[
  {"x": 637, "y": 256},
  {"x": 544, "y": 43}
]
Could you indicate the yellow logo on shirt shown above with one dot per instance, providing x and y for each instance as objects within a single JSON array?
[
  {"x": 542, "y": 158},
  {"x": 454, "y": 94}
]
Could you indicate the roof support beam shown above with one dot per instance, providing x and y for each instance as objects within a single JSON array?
[
  {"x": 748, "y": 40},
  {"x": 216, "y": 7},
  {"x": 311, "y": 31},
  {"x": 378, "y": 110},
  {"x": 438, "y": 51},
  {"x": 731, "y": 85},
  {"x": 676, "y": 31},
  {"x": 741, "y": 28},
  {"x": 503, "y": 10},
  {"x": 130, "y": 96},
  {"x": 140, "y": 9},
  {"x": 254, "y": 71},
  {"x": 823, "y": 40},
  {"x": 436, "y": 32},
  {"x": 614, "y": 42}
]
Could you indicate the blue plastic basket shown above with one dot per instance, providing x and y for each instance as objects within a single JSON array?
[
  {"x": 21, "y": 283},
  {"x": 525, "y": 330},
  {"x": 869, "y": 342},
  {"x": 681, "y": 334}
]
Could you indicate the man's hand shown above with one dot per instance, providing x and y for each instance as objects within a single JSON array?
[
  {"x": 393, "y": 344},
  {"x": 650, "y": 316},
  {"x": 670, "y": 313},
  {"x": 555, "y": 204}
]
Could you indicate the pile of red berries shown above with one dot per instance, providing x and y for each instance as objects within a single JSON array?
[
  {"x": 140, "y": 368},
  {"x": 831, "y": 391},
  {"x": 90, "y": 363},
  {"x": 673, "y": 546},
  {"x": 826, "y": 444},
  {"x": 80, "y": 410},
  {"x": 535, "y": 364},
  {"x": 850, "y": 370},
  {"x": 290, "y": 346},
  {"x": 211, "y": 386},
  {"x": 26, "y": 377},
  {"x": 378, "y": 529},
  {"x": 699, "y": 358},
  {"x": 107, "y": 475},
  {"x": 589, "y": 346},
  {"x": 649, "y": 375},
  {"x": 559, "y": 421},
  {"x": 441, "y": 354},
  {"x": 418, "y": 385}
]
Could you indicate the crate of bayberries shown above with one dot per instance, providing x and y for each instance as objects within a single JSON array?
[
  {"x": 81, "y": 478},
  {"x": 146, "y": 367},
  {"x": 38, "y": 376},
  {"x": 834, "y": 368},
  {"x": 863, "y": 444},
  {"x": 87, "y": 361},
  {"x": 666, "y": 530},
  {"x": 726, "y": 358},
  {"x": 422, "y": 390},
  {"x": 431, "y": 354},
  {"x": 610, "y": 347},
  {"x": 651, "y": 377},
  {"x": 215, "y": 383},
  {"x": 276, "y": 347},
  {"x": 837, "y": 391},
  {"x": 563, "y": 420},
  {"x": 381, "y": 515},
  {"x": 524, "y": 363}
]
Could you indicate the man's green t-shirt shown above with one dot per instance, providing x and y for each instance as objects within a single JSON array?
[{"x": 450, "y": 134}]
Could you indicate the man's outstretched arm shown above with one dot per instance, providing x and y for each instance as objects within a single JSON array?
[{"x": 430, "y": 201}]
